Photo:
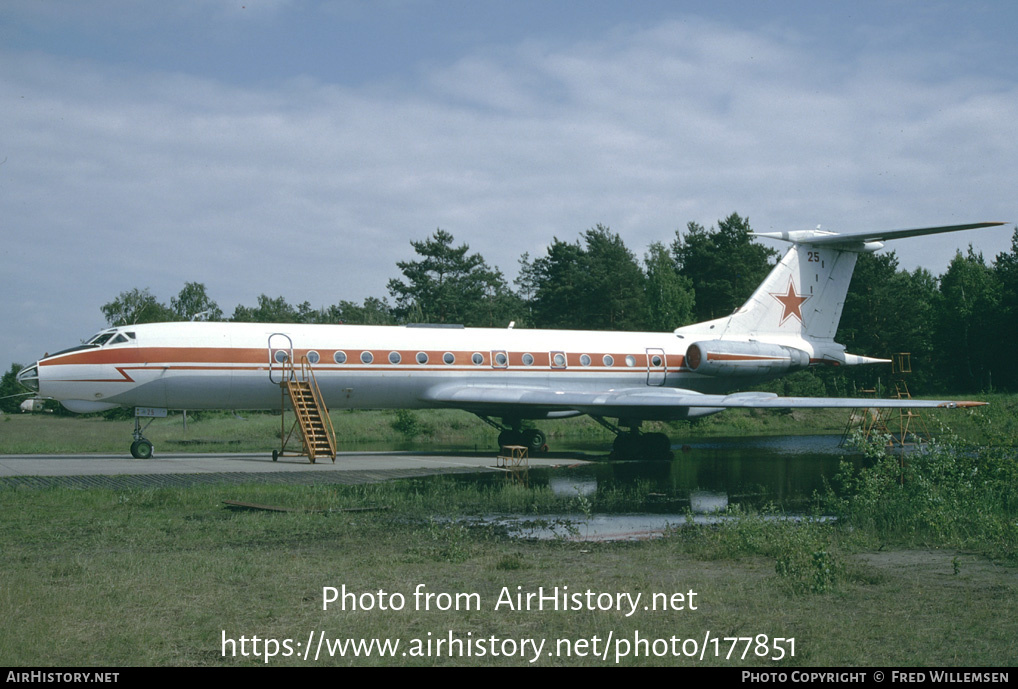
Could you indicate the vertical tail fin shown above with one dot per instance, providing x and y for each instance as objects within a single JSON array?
[{"x": 803, "y": 295}]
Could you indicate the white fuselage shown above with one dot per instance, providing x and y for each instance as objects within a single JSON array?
[{"x": 237, "y": 365}]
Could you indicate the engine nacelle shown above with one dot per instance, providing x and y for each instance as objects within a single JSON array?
[{"x": 727, "y": 359}]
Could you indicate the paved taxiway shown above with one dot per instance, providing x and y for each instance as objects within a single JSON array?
[{"x": 164, "y": 469}]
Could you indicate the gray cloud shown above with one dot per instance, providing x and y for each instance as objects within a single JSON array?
[{"x": 119, "y": 177}]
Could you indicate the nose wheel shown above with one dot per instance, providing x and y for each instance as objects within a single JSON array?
[{"x": 142, "y": 447}]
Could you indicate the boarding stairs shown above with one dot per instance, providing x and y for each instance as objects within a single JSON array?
[{"x": 312, "y": 423}]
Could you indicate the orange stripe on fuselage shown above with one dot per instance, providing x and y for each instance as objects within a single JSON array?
[
  {"x": 144, "y": 355},
  {"x": 193, "y": 357}
]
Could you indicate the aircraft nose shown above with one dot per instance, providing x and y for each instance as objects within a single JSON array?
[{"x": 29, "y": 377}]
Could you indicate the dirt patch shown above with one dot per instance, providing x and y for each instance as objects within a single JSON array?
[{"x": 944, "y": 568}]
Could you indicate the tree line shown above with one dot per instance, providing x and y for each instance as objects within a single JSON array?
[
  {"x": 958, "y": 327},
  {"x": 593, "y": 283}
]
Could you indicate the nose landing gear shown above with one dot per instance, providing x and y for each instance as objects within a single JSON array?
[{"x": 142, "y": 447}]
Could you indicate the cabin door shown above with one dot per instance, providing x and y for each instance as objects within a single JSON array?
[
  {"x": 657, "y": 366},
  {"x": 280, "y": 354}
]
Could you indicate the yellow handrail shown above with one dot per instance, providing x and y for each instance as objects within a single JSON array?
[
  {"x": 316, "y": 392},
  {"x": 307, "y": 375}
]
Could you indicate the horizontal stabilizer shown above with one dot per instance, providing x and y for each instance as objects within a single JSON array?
[{"x": 820, "y": 237}]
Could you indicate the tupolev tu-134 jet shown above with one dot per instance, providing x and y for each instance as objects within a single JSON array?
[{"x": 788, "y": 324}]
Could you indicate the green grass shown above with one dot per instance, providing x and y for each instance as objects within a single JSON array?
[
  {"x": 157, "y": 577},
  {"x": 951, "y": 494},
  {"x": 438, "y": 429},
  {"x": 919, "y": 569}
]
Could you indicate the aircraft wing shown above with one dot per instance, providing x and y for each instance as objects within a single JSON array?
[{"x": 647, "y": 402}]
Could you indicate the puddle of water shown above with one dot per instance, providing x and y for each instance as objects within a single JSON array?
[
  {"x": 614, "y": 527},
  {"x": 705, "y": 479},
  {"x": 605, "y": 527},
  {"x": 753, "y": 472}
]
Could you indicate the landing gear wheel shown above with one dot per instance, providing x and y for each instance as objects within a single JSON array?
[
  {"x": 510, "y": 437},
  {"x": 534, "y": 439},
  {"x": 625, "y": 446},
  {"x": 652, "y": 446},
  {"x": 141, "y": 449},
  {"x": 656, "y": 446}
]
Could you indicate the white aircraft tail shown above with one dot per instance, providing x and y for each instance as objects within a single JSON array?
[{"x": 804, "y": 295}]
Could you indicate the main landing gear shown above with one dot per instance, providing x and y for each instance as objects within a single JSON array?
[
  {"x": 633, "y": 444},
  {"x": 514, "y": 434},
  {"x": 630, "y": 443}
]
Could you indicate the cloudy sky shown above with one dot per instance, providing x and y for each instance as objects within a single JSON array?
[{"x": 295, "y": 148}]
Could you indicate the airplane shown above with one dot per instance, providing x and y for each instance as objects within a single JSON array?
[{"x": 503, "y": 375}]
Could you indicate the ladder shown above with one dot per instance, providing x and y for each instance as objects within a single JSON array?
[
  {"x": 311, "y": 416},
  {"x": 910, "y": 429}
]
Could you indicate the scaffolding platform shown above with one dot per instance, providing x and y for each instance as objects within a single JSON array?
[{"x": 902, "y": 426}]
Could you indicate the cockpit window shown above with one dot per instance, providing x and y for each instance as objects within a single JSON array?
[
  {"x": 110, "y": 337},
  {"x": 101, "y": 339}
]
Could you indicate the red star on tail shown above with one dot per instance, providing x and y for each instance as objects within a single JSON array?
[{"x": 791, "y": 302}]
